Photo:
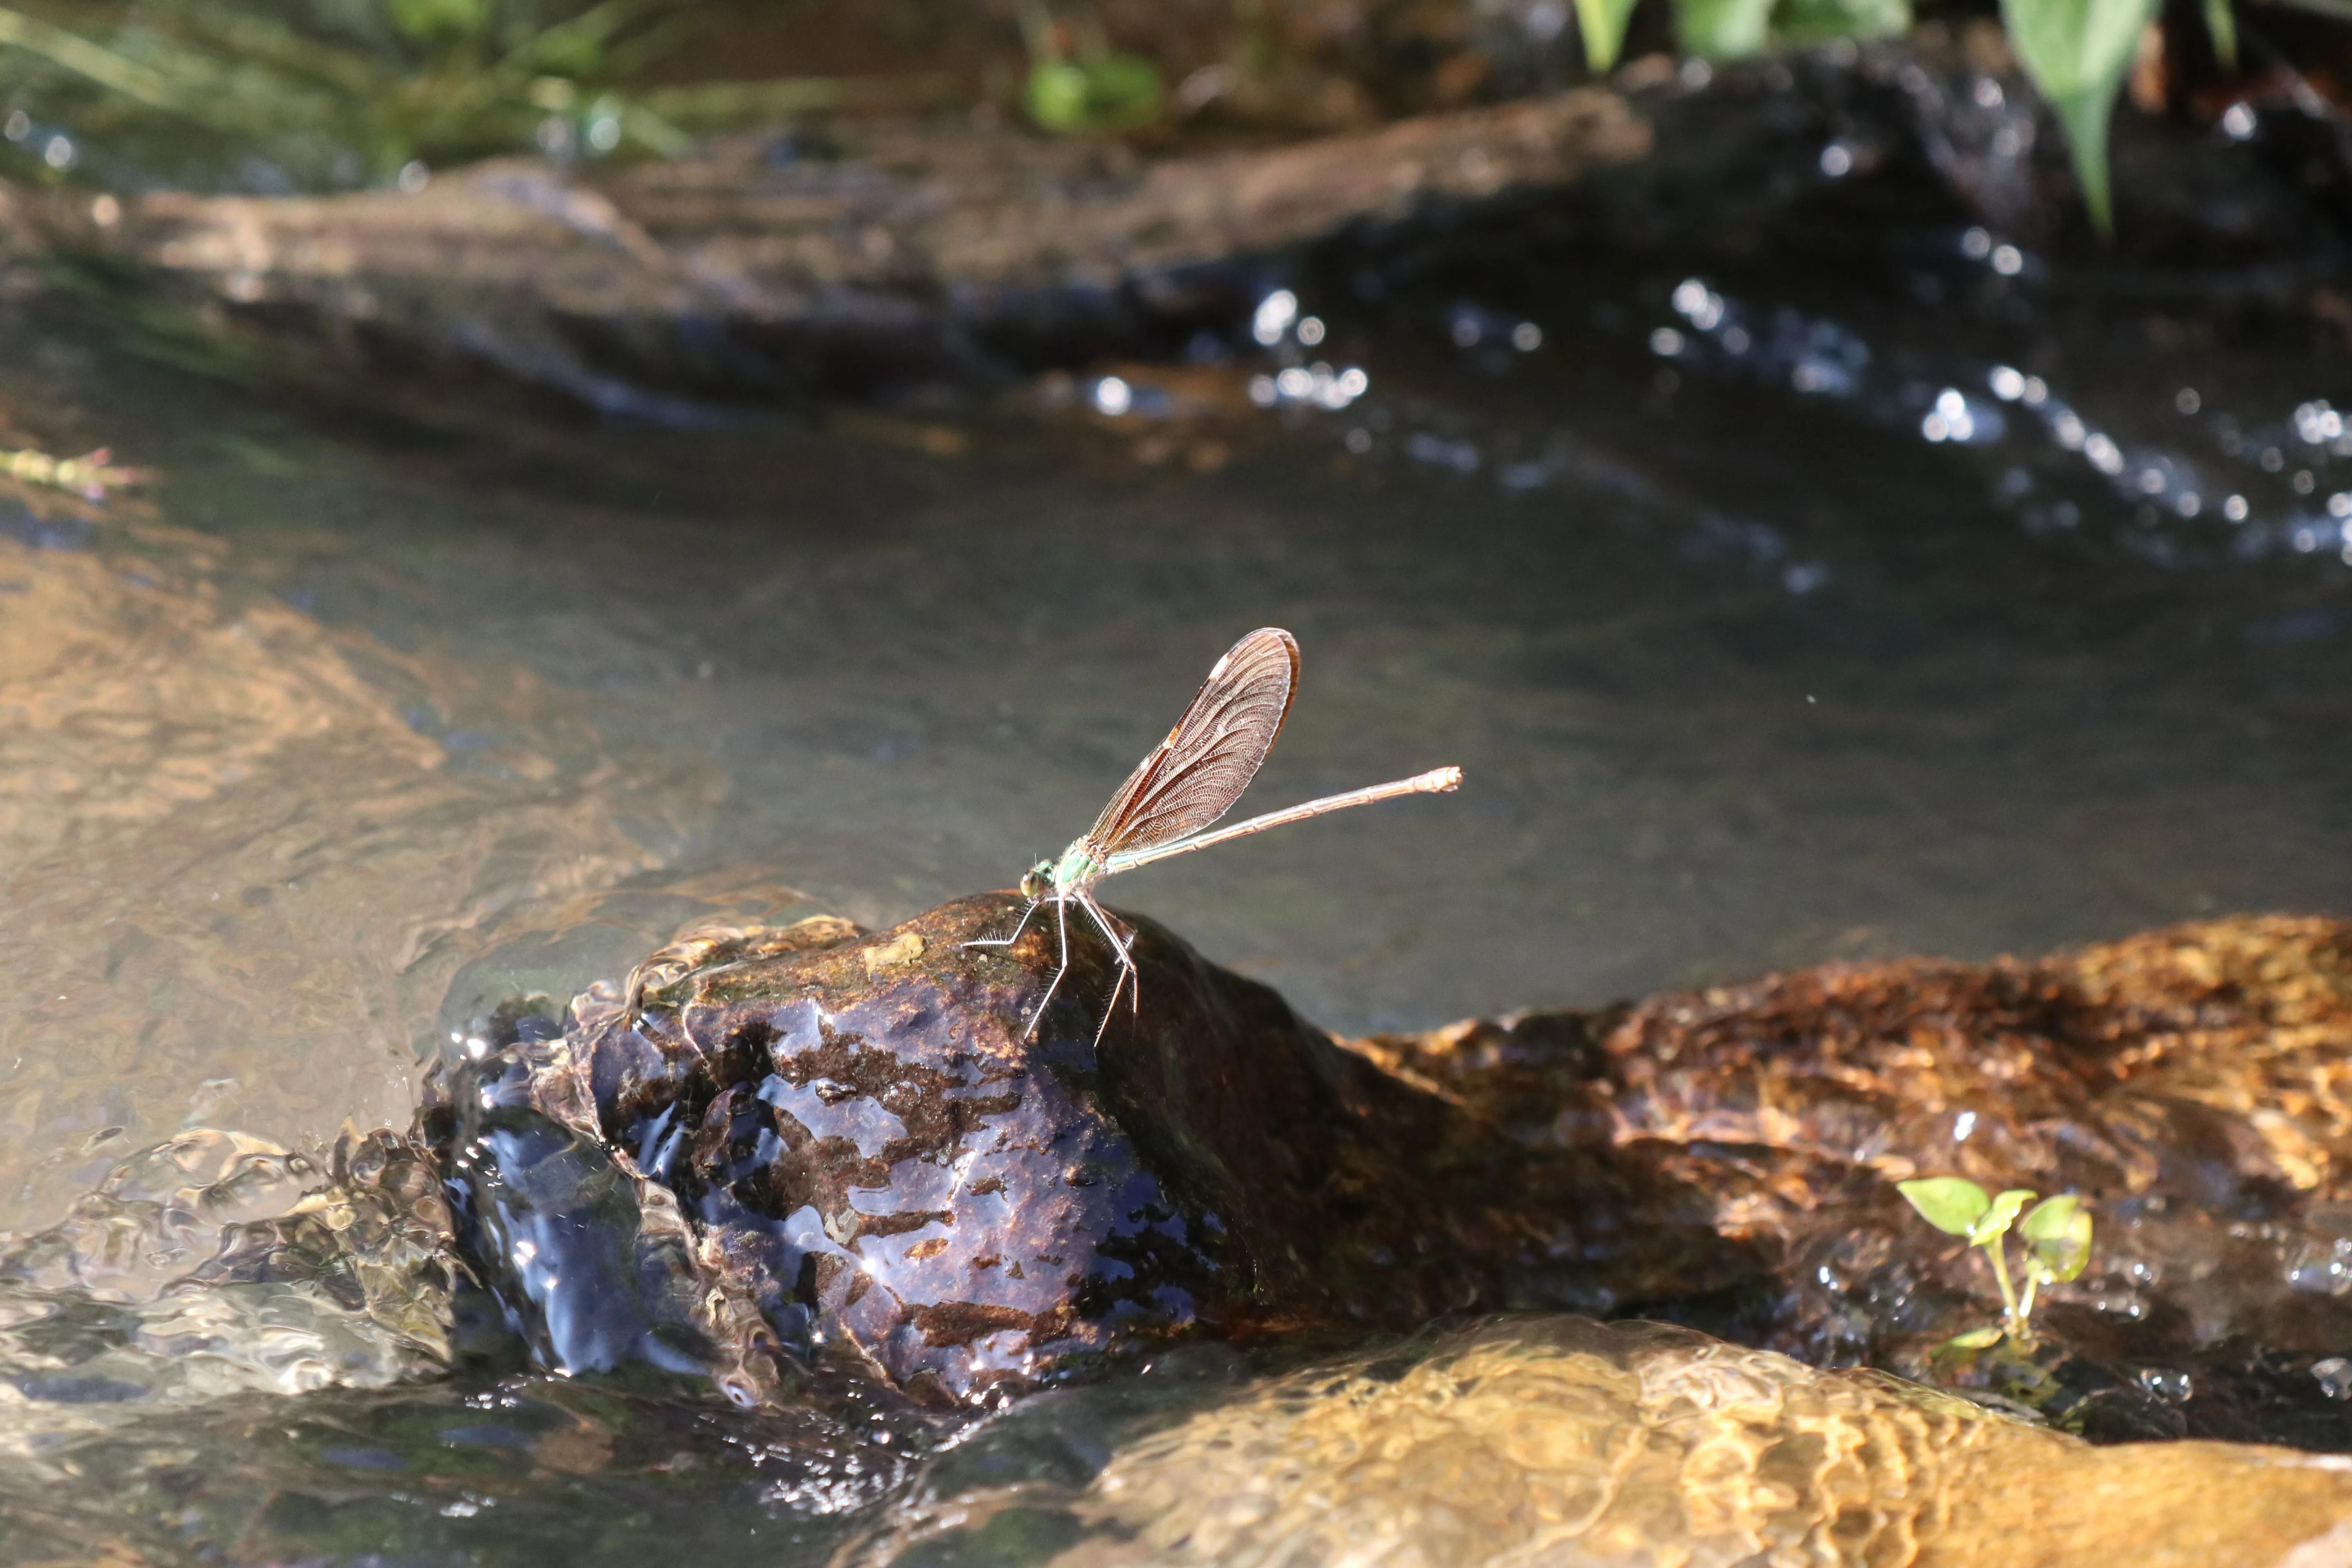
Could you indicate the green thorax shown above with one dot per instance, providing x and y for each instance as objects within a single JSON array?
[{"x": 1076, "y": 869}]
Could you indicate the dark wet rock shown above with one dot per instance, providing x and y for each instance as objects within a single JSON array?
[
  {"x": 874, "y": 1164},
  {"x": 846, "y": 1153}
]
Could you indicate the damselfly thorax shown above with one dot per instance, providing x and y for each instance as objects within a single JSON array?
[{"x": 1190, "y": 780}]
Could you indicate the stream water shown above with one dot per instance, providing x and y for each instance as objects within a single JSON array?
[{"x": 1777, "y": 612}]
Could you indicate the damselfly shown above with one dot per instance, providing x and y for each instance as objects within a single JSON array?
[{"x": 1188, "y": 781}]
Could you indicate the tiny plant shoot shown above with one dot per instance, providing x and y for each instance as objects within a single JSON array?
[{"x": 2057, "y": 1233}]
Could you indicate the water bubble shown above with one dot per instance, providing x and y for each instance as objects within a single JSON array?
[
  {"x": 19, "y": 126},
  {"x": 1353, "y": 383},
  {"x": 2188, "y": 503},
  {"x": 1976, "y": 244},
  {"x": 2151, "y": 481},
  {"x": 1113, "y": 396},
  {"x": 1837, "y": 161},
  {"x": 1935, "y": 428},
  {"x": 1262, "y": 391},
  {"x": 1698, "y": 304},
  {"x": 2187, "y": 401},
  {"x": 2238, "y": 121},
  {"x": 1986, "y": 92},
  {"x": 2316, "y": 424},
  {"x": 604, "y": 132},
  {"x": 2070, "y": 432},
  {"x": 1665, "y": 343},
  {"x": 2007, "y": 384},
  {"x": 1360, "y": 440},
  {"x": 1697, "y": 73},
  {"x": 2007, "y": 260},
  {"x": 1310, "y": 330},
  {"x": 2234, "y": 509},
  {"x": 413, "y": 177},
  {"x": 2339, "y": 505},
  {"x": 1545, "y": 20},
  {"x": 1527, "y": 337},
  {"x": 1804, "y": 577},
  {"x": 2036, "y": 393},
  {"x": 2273, "y": 459},
  {"x": 1294, "y": 382},
  {"x": 1735, "y": 341},
  {"x": 1950, "y": 404},
  {"x": 58, "y": 153},
  {"x": 554, "y": 136},
  {"x": 1465, "y": 331},
  {"x": 2104, "y": 455},
  {"x": 2303, "y": 484},
  {"x": 1272, "y": 317}
]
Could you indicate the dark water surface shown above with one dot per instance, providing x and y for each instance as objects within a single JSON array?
[{"x": 1744, "y": 671}]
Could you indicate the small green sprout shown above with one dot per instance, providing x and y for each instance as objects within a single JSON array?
[
  {"x": 2057, "y": 1233},
  {"x": 1092, "y": 87}
]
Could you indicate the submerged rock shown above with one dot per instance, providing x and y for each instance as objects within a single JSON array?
[{"x": 1558, "y": 1439}]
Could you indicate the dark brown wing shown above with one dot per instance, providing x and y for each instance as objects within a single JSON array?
[{"x": 1209, "y": 758}]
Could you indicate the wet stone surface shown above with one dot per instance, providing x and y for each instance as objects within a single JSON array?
[
  {"x": 873, "y": 1163},
  {"x": 816, "y": 1147}
]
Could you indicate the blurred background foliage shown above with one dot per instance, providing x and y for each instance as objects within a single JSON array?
[{"x": 275, "y": 96}]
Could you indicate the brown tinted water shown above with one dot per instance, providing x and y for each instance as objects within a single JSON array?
[{"x": 345, "y": 726}]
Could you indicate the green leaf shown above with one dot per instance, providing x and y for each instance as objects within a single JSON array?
[
  {"x": 2222, "y": 28},
  {"x": 1603, "y": 23},
  {"x": 1974, "y": 1340},
  {"x": 1818, "y": 21},
  {"x": 2077, "y": 51},
  {"x": 1950, "y": 1204},
  {"x": 2057, "y": 1237},
  {"x": 1109, "y": 93},
  {"x": 1057, "y": 96},
  {"x": 425, "y": 20},
  {"x": 1723, "y": 30},
  {"x": 1997, "y": 1219}
]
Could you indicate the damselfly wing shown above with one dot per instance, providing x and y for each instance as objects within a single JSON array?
[{"x": 1193, "y": 776}]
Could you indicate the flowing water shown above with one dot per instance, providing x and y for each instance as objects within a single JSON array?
[{"x": 1948, "y": 603}]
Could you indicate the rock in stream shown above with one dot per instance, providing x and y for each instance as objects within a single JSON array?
[{"x": 807, "y": 1159}]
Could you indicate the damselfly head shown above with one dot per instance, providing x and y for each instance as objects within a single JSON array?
[{"x": 1038, "y": 881}]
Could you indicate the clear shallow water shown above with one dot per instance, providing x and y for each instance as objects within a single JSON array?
[{"x": 348, "y": 724}]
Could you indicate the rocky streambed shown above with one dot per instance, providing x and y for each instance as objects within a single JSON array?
[{"x": 1332, "y": 1295}]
